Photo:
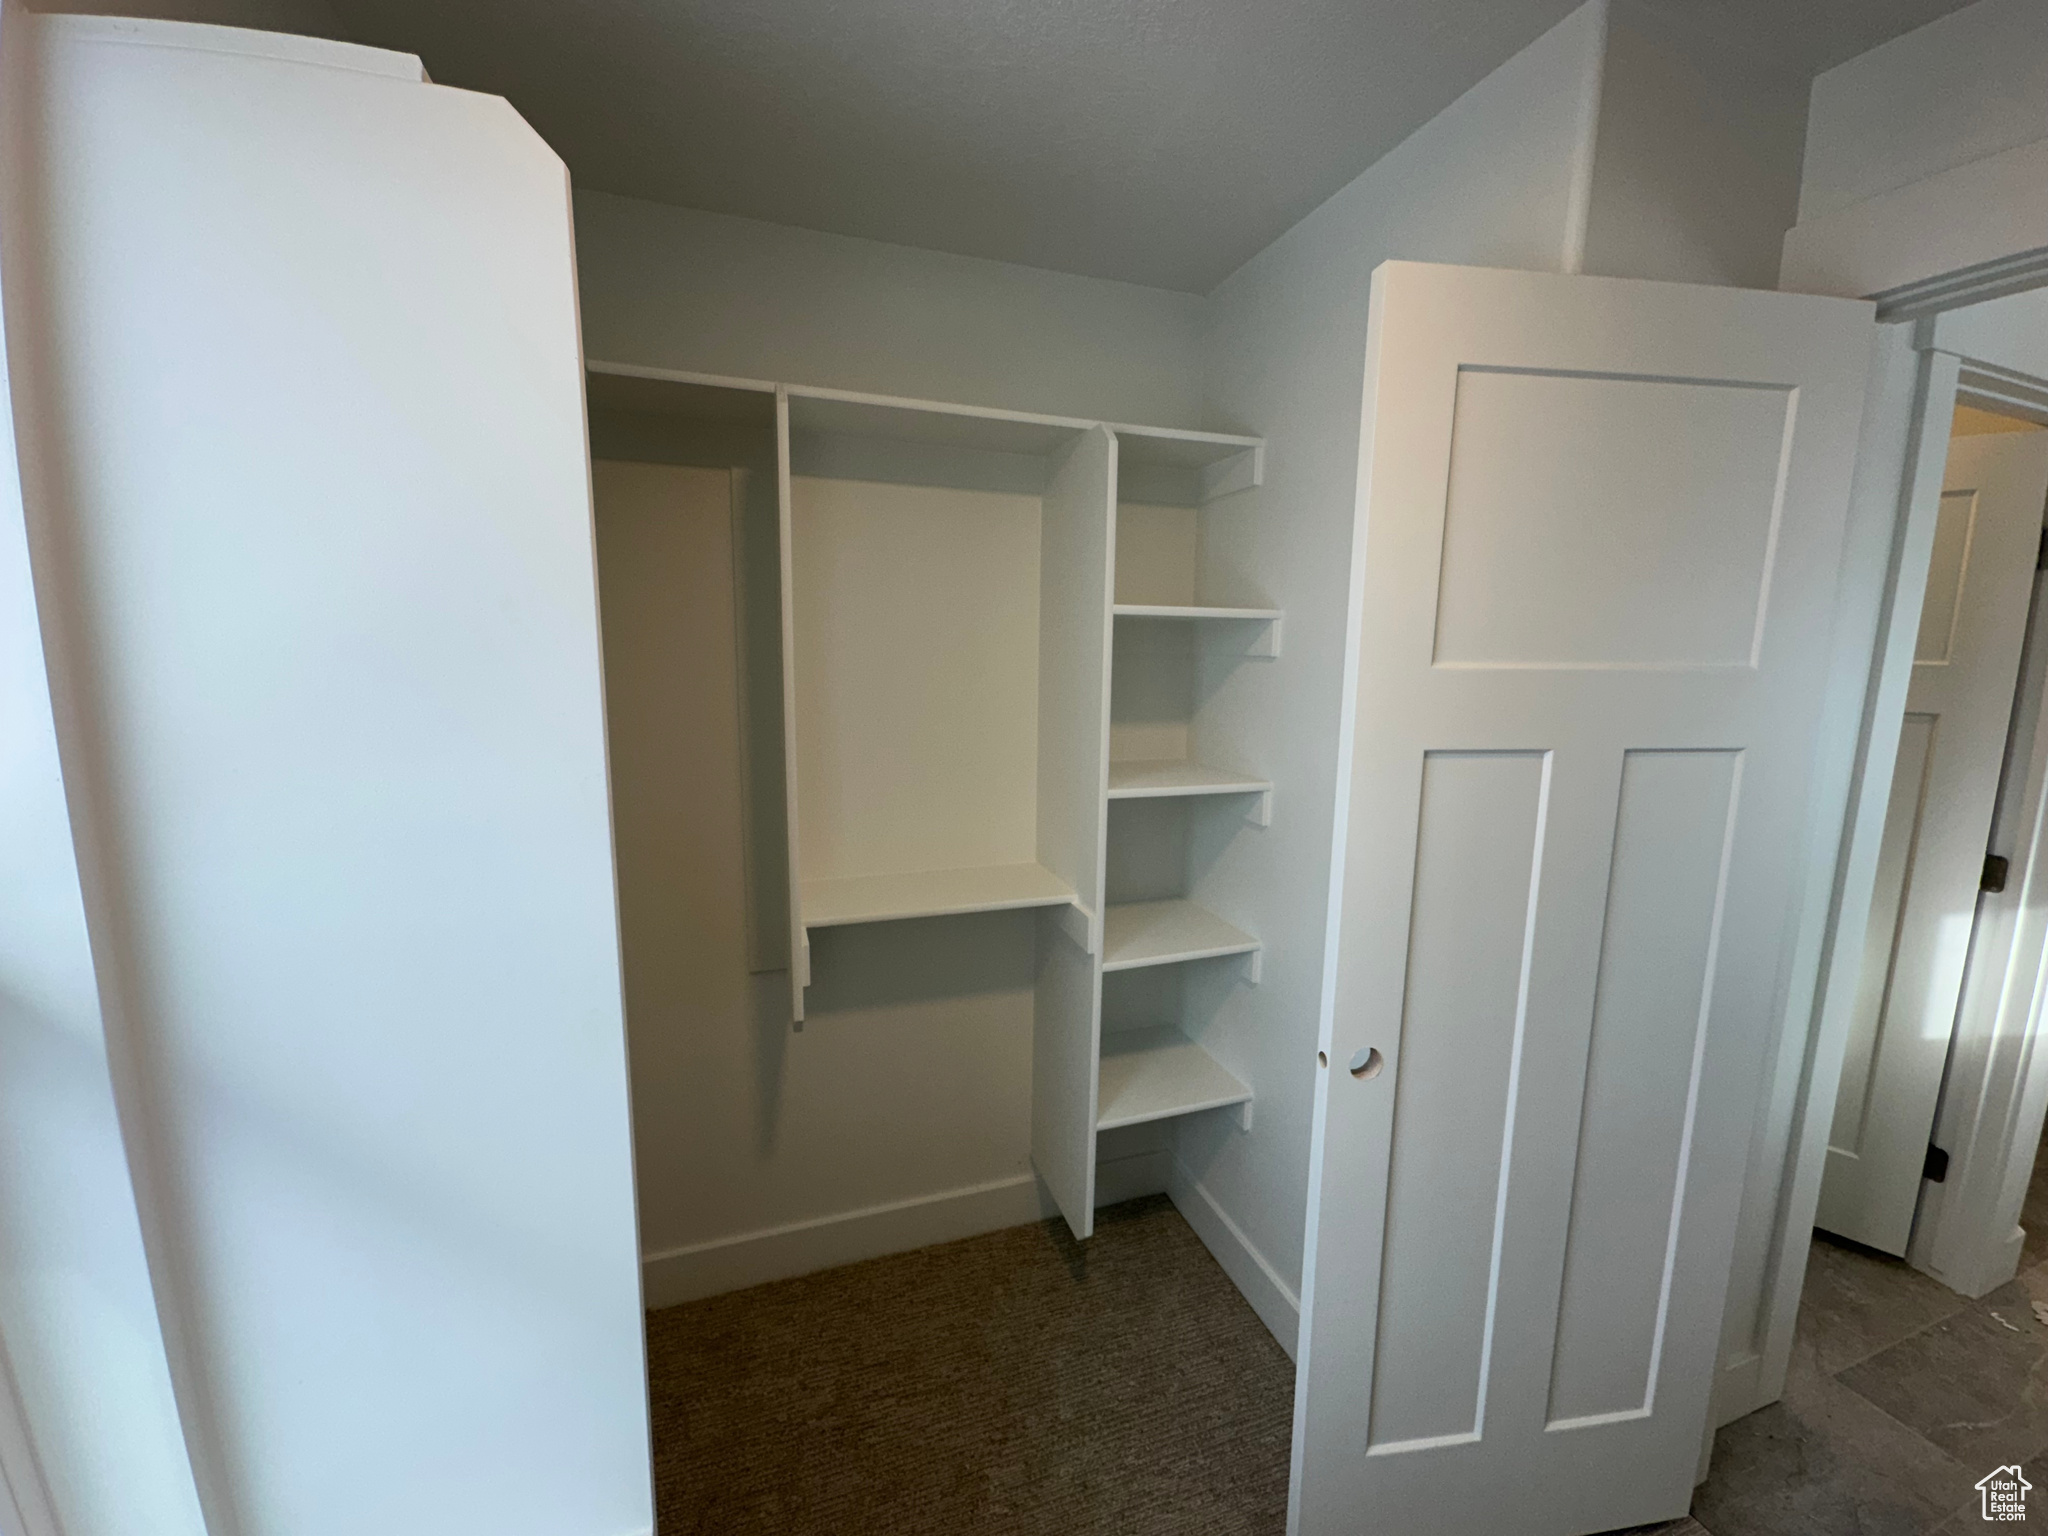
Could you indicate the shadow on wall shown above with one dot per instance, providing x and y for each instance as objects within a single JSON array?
[{"x": 882, "y": 965}]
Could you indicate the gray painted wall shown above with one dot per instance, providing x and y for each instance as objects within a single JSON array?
[
  {"x": 1489, "y": 182},
  {"x": 1958, "y": 89},
  {"x": 674, "y": 287},
  {"x": 306, "y": 18},
  {"x": 1696, "y": 163}
]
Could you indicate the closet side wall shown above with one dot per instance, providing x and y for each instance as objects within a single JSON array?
[
  {"x": 79, "y": 1332},
  {"x": 336, "y": 727},
  {"x": 1490, "y": 181}
]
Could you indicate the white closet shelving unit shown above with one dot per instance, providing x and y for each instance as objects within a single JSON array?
[
  {"x": 1181, "y": 623},
  {"x": 952, "y": 613}
]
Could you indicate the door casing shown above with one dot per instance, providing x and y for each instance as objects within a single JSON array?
[{"x": 1936, "y": 246}]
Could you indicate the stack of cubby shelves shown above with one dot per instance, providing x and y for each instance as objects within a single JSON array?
[{"x": 998, "y": 633}]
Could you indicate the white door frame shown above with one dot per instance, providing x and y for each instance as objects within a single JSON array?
[
  {"x": 1976, "y": 232},
  {"x": 1996, "y": 1092}
]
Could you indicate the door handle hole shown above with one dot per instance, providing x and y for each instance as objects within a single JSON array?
[{"x": 1367, "y": 1063}]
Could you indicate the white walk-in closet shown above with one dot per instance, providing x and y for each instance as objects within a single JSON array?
[{"x": 560, "y": 782}]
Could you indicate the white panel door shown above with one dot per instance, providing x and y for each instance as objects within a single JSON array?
[
  {"x": 1593, "y": 587},
  {"x": 1966, "y": 661}
]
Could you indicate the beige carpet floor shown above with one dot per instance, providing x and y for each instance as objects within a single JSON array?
[{"x": 1015, "y": 1383}]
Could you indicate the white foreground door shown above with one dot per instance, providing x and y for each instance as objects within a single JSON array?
[
  {"x": 1591, "y": 607},
  {"x": 306, "y": 407},
  {"x": 1966, "y": 661}
]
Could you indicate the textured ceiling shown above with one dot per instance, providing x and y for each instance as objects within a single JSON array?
[{"x": 1154, "y": 141}]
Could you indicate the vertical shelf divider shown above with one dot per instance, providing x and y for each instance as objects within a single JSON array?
[
  {"x": 1076, "y": 584},
  {"x": 799, "y": 940}
]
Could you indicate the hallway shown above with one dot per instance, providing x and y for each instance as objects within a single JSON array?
[{"x": 1902, "y": 1395}]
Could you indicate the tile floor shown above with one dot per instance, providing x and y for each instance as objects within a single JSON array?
[{"x": 1902, "y": 1395}]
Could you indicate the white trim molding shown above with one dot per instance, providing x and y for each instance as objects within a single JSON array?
[
  {"x": 1967, "y": 1232},
  {"x": 1995, "y": 1094},
  {"x": 1991, "y": 388},
  {"x": 676, "y": 1275},
  {"x": 1279, "y": 1308},
  {"x": 672, "y": 1276},
  {"x": 1977, "y": 231},
  {"x": 1893, "y": 504}
]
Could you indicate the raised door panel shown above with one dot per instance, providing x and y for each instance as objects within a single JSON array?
[
  {"x": 1559, "y": 482},
  {"x": 1478, "y": 848},
  {"x": 1651, "y": 999}
]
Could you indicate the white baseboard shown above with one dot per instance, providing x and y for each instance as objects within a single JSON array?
[
  {"x": 1738, "y": 1388},
  {"x": 677, "y": 1275},
  {"x": 1975, "y": 1269},
  {"x": 825, "y": 1242},
  {"x": 1278, "y": 1307},
  {"x": 2010, "y": 1252}
]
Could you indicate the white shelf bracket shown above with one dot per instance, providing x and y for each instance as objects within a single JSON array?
[
  {"x": 1080, "y": 925},
  {"x": 1254, "y": 966},
  {"x": 1239, "y": 472},
  {"x": 1262, "y": 809},
  {"x": 1244, "y": 1115},
  {"x": 1268, "y": 643}
]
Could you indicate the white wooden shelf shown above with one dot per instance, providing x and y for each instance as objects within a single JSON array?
[
  {"x": 1164, "y": 932},
  {"x": 1170, "y": 778},
  {"x": 1267, "y": 643},
  {"x": 1154, "y": 1074},
  {"x": 931, "y": 893},
  {"x": 851, "y": 413},
  {"x": 1145, "y": 780},
  {"x": 1194, "y": 611}
]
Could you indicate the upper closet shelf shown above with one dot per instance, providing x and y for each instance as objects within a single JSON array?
[
  {"x": 931, "y": 422},
  {"x": 931, "y": 893},
  {"x": 1153, "y": 1074},
  {"x": 1165, "y": 932},
  {"x": 1218, "y": 463},
  {"x": 696, "y": 397},
  {"x": 1221, "y": 462}
]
